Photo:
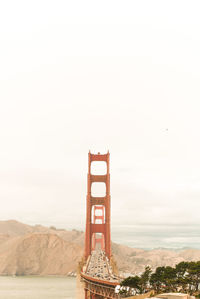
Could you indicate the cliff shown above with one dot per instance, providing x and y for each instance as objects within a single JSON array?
[{"x": 39, "y": 250}]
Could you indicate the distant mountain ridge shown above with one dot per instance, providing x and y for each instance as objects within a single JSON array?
[{"x": 39, "y": 250}]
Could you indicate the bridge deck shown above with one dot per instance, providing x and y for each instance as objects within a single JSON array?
[{"x": 98, "y": 268}]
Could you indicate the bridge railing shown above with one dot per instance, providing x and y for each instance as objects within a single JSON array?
[{"x": 102, "y": 290}]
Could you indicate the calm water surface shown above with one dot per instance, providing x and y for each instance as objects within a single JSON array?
[{"x": 37, "y": 287}]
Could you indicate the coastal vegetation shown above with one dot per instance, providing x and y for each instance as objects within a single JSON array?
[{"x": 184, "y": 277}]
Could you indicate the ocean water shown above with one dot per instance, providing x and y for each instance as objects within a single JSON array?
[
  {"x": 157, "y": 236},
  {"x": 27, "y": 287}
]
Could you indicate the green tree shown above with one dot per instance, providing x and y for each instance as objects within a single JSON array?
[
  {"x": 184, "y": 277},
  {"x": 156, "y": 281},
  {"x": 169, "y": 279},
  {"x": 132, "y": 282},
  {"x": 144, "y": 279},
  {"x": 194, "y": 275}
]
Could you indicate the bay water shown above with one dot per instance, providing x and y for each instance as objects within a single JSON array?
[{"x": 32, "y": 287}]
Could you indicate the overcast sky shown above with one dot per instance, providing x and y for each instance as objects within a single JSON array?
[{"x": 99, "y": 75}]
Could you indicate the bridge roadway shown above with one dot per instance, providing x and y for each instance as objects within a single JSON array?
[{"x": 100, "y": 281}]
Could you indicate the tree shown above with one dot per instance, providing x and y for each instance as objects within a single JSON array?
[
  {"x": 132, "y": 282},
  {"x": 169, "y": 279},
  {"x": 183, "y": 277},
  {"x": 194, "y": 275},
  {"x": 156, "y": 279},
  {"x": 144, "y": 279}
]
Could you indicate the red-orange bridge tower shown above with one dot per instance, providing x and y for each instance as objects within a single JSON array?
[
  {"x": 98, "y": 273},
  {"x": 98, "y": 226}
]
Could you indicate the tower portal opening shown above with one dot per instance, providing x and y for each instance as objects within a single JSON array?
[
  {"x": 98, "y": 189},
  {"x": 98, "y": 168}
]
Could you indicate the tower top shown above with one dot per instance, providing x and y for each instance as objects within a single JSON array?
[{"x": 99, "y": 157}]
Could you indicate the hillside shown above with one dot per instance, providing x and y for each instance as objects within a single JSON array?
[
  {"x": 39, "y": 254},
  {"x": 134, "y": 260},
  {"x": 39, "y": 250}
]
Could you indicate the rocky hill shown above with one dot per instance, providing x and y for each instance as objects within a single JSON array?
[
  {"x": 39, "y": 250},
  {"x": 132, "y": 260},
  {"x": 39, "y": 254}
]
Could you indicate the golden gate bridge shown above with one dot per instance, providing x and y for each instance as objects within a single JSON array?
[{"x": 98, "y": 271}]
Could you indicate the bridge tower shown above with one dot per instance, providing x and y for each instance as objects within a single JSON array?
[
  {"x": 96, "y": 238},
  {"x": 98, "y": 203}
]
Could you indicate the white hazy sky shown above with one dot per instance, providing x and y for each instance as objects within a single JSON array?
[{"x": 98, "y": 75}]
